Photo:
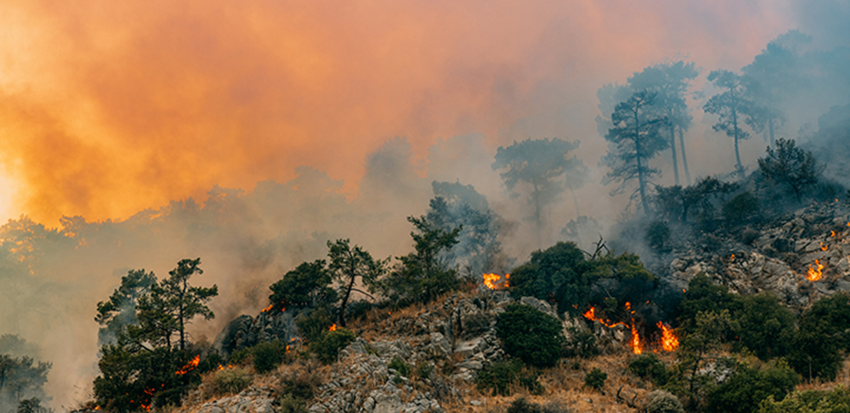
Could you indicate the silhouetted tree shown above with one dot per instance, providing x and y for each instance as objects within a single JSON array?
[
  {"x": 120, "y": 310},
  {"x": 543, "y": 164},
  {"x": 732, "y": 106},
  {"x": 347, "y": 263},
  {"x": 632, "y": 142},
  {"x": 670, "y": 82},
  {"x": 305, "y": 286}
]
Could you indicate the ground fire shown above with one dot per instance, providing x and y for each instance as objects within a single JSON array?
[
  {"x": 815, "y": 273},
  {"x": 669, "y": 341},
  {"x": 189, "y": 367}
]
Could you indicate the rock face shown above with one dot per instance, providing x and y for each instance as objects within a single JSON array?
[
  {"x": 779, "y": 259},
  {"x": 245, "y": 331}
]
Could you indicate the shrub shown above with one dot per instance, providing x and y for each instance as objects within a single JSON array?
[
  {"x": 292, "y": 404},
  {"x": 268, "y": 355},
  {"x": 314, "y": 324},
  {"x": 660, "y": 401},
  {"x": 521, "y": 405},
  {"x": 821, "y": 337},
  {"x": 358, "y": 309},
  {"x": 648, "y": 366},
  {"x": 498, "y": 378},
  {"x": 232, "y": 380},
  {"x": 327, "y": 347},
  {"x": 658, "y": 236},
  {"x": 749, "y": 386},
  {"x": 424, "y": 370},
  {"x": 595, "y": 379},
  {"x": 400, "y": 366},
  {"x": 741, "y": 208},
  {"x": 820, "y": 401},
  {"x": 765, "y": 326},
  {"x": 530, "y": 334},
  {"x": 240, "y": 356}
]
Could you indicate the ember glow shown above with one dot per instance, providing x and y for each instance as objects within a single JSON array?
[
  {"x": 491, "y": 281},
  {"x": 815, "y": 273},
  {"x": 189, "y": 367},
  {"x": 823, "y": 247},
  {"x": 267, "y": 309},
  {"x": 332, "y": 328},
  {"x": 669, "y": 341},
  {"x": 591, "y": 315}
]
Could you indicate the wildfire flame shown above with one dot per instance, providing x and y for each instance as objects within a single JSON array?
[
  {"x": 669, "y": 341},
  {"x": 333, "y": 327},
  {"x": 732, "y": 258},
  {"x": 591, "y": 315},
  {"x": 815, "y": 274},
  {"x": 831, "y": 234},
  {"x": 490, "y": 281},
  {"x": 189, "y": 367},
  {"x": 637, "y": 348},
  {"x": 823, "y": 247},
  {"x": 267, "y": 309}
]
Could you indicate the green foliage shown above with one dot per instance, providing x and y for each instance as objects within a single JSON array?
[
  {"x": 791, "y": 167},
  {"x": 32, "y": 405},
  {"x": 314, "y": 324},
  {"x": 328, "y": 346},
  {"x": 266, "y": 356},
  {"x": 347, "y": 264},
  {"x": 821, "y": 338},
  {"x": 633, "y": 141},
  {"x": 291, "y": 404},
  {"x": 649, "y": 367},
  {"x": 500, "y": 376},
  {"x": 658, "y": 236},
  {"x": 308, "y": 285},
  {"x": 595, "y": 378},
  {"x": 661, "y": 401},
  {"x": 240, "y": 356},
  {"x": 836, "y": 400},
  {"x": 749, "y": 386},
  {"x": 129, "y": 381},
  {"x": 741, "y": 208},
  {"x": 764, "y": 326},
  {"x": 530, "y": 334},
  {"x": 545, "y": 166},
  {"x": 581, "y": 343},
  {"x": 424, "y": 370},
  {"x": 400, "y": 366},
  {"x": 120, "y": 310},
  {"x": 420, "y": 276},
  {"x": 560, "y": 268},
  {"x": 229, "y": 381},
  {"x": 21, "y": 378},
  {"x": 699, "y": 201},
  {"x": 358, "y": 309},
  {"x": 703, "y": 296}
]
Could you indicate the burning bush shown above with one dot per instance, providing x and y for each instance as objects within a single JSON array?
[{"x": 530, "y": 334}]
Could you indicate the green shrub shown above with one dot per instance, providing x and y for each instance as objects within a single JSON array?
[
  {"x": 821, "y": 337},
  {"x": 741, "y": 208},
  {"x": 530, "y": 334},
  {"x": 243, "y": 355},
  {"x": 327, "y": 347},
  {"x": 424, "y": 370},
  {"x": 229, "y": 381},
  {"x": 658, "y": 236},
  {"x": 292, "y": 404},
  {"x": 268, "y": 355},
  {"x": 749, "y": 386},
  {"x": 498, "y": 378},
  {"x": 314, "y": 324},
  {"x": 595, "y": 379},
  {"x": 764, "y": 326},
  {"x": 660, "y": 401},
  {"x": 400, "y": 366},
  {"x": 648, "y": 366},
  {"x": 836, "y": 400}
]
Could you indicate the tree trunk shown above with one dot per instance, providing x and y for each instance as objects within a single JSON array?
[
  {"x": 180, "y": 316},
  {"x": 673, "y": 151},
  {"x": 737, "y": 152},
  {"x": 684, "y": 156},
  {"x": 345, "y": 298},
  {"x": 641, "y": 183}
]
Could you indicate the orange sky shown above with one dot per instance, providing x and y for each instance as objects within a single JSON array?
[{"x": 109, "y": 107}]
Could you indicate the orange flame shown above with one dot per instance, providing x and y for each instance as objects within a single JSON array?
[
  {"x": 831, "y": 234},
  {"x": 333, "y": 327},
  {"x": 287, "y": 349},
  {"x": 267, "y": 309},
  {"x": 732, "y": 258},
  {"x": 591, "y": 315},
  {"x": 637, "y": 348},
  {"x": 669, "y": 341},
  {"x": 815, "y": 274},
  {"x": 189, "y": 367},
  {"x": 823, "y": 247},
  {"x": 491, "y": 281}
]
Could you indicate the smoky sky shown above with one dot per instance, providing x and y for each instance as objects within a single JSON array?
[{"x": 111, "y": 107}]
